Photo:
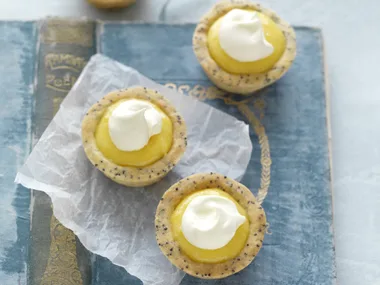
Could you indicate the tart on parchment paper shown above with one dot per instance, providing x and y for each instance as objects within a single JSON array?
[
  {"x": 131, "y": 175},
  {"x": 170, "y": 247}
]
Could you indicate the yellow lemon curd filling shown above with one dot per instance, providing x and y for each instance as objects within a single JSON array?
[
  {"x": 157, "y": 147},
  {"x": 272, "y": 34},
  {"x": 229, "y": 251}
]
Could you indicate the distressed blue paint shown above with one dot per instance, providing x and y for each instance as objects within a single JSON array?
[
  {"x": 17, "y": 57},
  {"x": 103, "y": 271},
  {"x": 300, "y": 249}
]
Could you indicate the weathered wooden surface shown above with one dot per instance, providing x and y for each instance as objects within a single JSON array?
[
  {"x": 300, "y": 249},
  {"x": 290, "y": 115},
  {"x": 17, "y": 57}
]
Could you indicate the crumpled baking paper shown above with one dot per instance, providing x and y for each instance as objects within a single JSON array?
[{"x": 112, "y": 220}]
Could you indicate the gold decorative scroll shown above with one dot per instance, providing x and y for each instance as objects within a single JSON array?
[
  {"x": 62, "y": 267},
  {"x": 208, "y": 93}
]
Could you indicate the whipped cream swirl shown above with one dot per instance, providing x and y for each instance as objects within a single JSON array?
[
  {"x": 211, "y": 221},
  {"x": 133, "y": 123},
  {"x": 241, "y": 36}
]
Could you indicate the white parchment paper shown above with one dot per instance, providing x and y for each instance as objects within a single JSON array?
[{"x": 112, "y": 220}]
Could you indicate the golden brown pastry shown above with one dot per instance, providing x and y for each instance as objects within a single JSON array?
[
  {"x": 134, "y": 136},
  {"x": 210, "y": 226},
  {"x": 243, "y": 47}
]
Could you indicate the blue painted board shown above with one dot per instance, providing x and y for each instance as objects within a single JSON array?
[
  {"x": 17, "y": 57},
  {"x": 300, "y": 249}
]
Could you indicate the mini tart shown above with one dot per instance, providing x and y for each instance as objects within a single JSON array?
[
  {"x": 170, "y": 247},
  {"x": 241, "y": 83},
  {"x": 128, "y": 175},
  {"x": 109, "y": 4}
]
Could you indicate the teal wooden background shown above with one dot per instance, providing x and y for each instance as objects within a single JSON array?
[
  {"x": 300, "y": 249},
  {"x": 18, "y": 42}
]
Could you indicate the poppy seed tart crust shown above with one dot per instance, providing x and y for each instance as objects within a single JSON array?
[
  {"x": 128, "y": 175},
  {"x": 170, "y": 247},
  {"x": 241, "y": 83}
]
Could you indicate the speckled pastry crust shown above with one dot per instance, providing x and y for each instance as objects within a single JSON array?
[
  {"x": 189, "y": 185},
  {"x": 109, "y": 4},
  {"x": 133, "y": 176},
  {"x": 244, "y": 83}
]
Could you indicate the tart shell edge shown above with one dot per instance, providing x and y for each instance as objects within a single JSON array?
[
  {"x": 128, "y": 175},
  {"x": 241, "y": 83},
  {"x": 170, "y": 248}
]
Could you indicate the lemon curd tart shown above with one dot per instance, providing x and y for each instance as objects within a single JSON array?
[
  {"x": 209, "y": 225},
  {"x": 243, "y": 47},
  {"x": 222, "y": 253},
  {"x": 157, "y": 146},
  {"x": 134, "y": 136}
]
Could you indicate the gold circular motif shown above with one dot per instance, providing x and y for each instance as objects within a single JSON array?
[
  {"x": 62, "y": 267},
  {"x": 209, "y": 93}
]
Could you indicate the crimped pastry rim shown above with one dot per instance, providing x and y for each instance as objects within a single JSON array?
[
  {"x": 170, "y": 247},
  {"x": 128, "y": 175},
  {"x": 241, "y": 83}
]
